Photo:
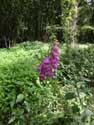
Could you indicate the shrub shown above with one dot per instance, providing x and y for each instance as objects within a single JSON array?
[
  {"x": 66, "y": 99},
  {"x": 86, "y": 34}
]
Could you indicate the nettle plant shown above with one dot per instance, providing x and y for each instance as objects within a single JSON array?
[{"x": 50, "y": 63}]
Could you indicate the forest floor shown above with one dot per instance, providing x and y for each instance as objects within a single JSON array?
[{"x": 18, "y": 69}]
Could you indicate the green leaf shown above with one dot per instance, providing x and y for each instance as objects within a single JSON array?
[
  {"x": 69, "y": 95},
  {"x": 27, "y": 106},
  {"x": 87, "y": 113},
  {"x": 75, "y": 108},
  {"x": 11, "y": 120},
  {"x": 20, "y": 97}
]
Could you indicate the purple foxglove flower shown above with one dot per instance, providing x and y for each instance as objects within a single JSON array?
[
  {"x": 55, "y": 49},
  {"x": 49, "y": 64},
  {"x": 42, "y": 77},
  {"x": 54, "y": 57},
  {"x": 46, "y": 60},
  {"x": 45, "y": 69},
  {"x": 50, "y": 74}
]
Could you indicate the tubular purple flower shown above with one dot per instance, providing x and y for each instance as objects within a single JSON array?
[
  {"x": 46, "y": 60},
  {"x": 42, "y": 77},
  {"x": 49, "y": 64},
  {"x": 55, "y": 49},
  {"x": 54, "y": 57},
  {"x": 45, "y": 69}
]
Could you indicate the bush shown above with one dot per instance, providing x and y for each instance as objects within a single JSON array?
[
  {"x": 64, "y": 99},
  {"x": 24, "y": 99},
  {"x": 80, "y": 62},
  {"x": 86, "y": 34}
]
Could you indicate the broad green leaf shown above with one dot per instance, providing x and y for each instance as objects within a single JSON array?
[
  {"x": 11, "y": 120},
  {"x": 69, "y": 95},
  {"x": 20, "y": 97}
]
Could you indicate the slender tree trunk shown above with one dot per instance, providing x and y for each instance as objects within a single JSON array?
[{"x": 73, "y": 27}]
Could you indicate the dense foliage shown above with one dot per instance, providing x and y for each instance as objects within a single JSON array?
[
  {"x": 66, "y": 99},
  {"x": 43, "y": 20},
  {"x": 27, "y": 20},
  {"x": 40, "y": 84},
  {"x": 86, "y": 21}
]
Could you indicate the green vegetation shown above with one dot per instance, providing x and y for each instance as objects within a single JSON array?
[
  {"x": 43, "y": 20},
  {"x": 67, "y": 99},
  {"x": 39, "y": 85}
]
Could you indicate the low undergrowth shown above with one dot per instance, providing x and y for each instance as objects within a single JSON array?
[{"x": 67, "y": 99}]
